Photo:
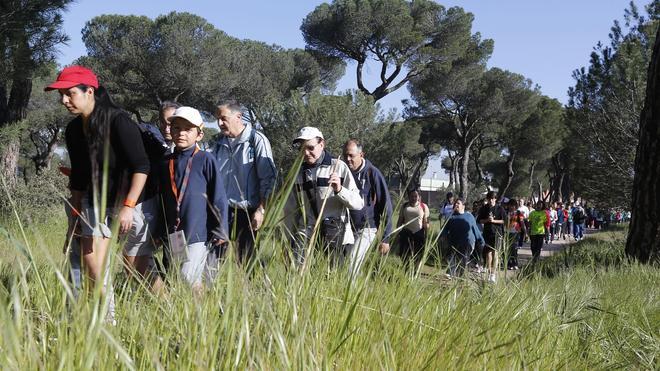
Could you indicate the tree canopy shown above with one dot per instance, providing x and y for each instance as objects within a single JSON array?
[{"x": 404, "y": 37}]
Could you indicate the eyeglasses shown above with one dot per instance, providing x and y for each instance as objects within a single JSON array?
[{"x": 310, "y": 148}]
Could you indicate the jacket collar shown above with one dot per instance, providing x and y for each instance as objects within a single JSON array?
[
  {"x": 242, "y": 138},
  {"x": 325, "y": 160}
]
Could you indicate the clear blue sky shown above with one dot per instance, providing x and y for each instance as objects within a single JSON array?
[{"x": 543, "y": 40}]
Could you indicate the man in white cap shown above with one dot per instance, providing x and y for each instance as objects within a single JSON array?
[{"x": 324, "y": 189}]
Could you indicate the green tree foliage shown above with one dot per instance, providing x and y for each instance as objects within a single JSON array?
[
  {"x": 198, "y": 64},
  {"x": 339, "y": 117},
  {"x": 528, "y": 140},
  {"x": 30, "y": 31},
  {"x": 464, "y": 109},
  {"x": 178, "y": 56},
  {"x": 404, "y": 37},
  {"x": 605, "y": 106}
]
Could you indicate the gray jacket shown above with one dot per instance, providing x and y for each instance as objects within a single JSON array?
[{"x": 247, "y": 168}]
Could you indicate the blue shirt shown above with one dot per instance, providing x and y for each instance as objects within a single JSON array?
[
  {"x": 377, "y": 204},
  {"x": 246, "y": 167},
  {"x": 462, "y": 230},
  {"x": 203, "y": 210}
]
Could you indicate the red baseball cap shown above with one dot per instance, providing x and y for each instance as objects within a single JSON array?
[{"x": 72, "y": 76}]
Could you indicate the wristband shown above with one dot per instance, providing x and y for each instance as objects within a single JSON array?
[{"x": 130, "y": 203}]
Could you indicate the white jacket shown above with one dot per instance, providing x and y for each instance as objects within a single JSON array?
[{"x": 300, "y": 215}]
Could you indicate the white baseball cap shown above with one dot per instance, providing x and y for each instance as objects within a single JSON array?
[
  {"x": 307, "y": 133},
  {"x": 189, "y": 114}
]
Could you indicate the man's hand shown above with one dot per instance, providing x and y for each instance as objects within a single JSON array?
[
  {"x": 384, "y": 248},
  {"x": 257, "y": 219},
  {"x": 335, "y": 182},
  {"x": 125, "y": 219}
]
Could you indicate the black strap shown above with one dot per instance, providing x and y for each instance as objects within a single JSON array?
[{"x": 312, "y": 203}]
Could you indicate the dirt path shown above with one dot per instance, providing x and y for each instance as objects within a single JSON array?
[{"x": 549, "y": 249}]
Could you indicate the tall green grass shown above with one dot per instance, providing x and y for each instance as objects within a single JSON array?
[{"x": 581, "y": 317}]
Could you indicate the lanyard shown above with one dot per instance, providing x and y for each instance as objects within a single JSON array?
[{"x": 178, "y": 195}]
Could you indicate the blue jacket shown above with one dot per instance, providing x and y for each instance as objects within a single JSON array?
[
  {"x": 377, "y": 204},
  {"x": 247, "y": 169},
  {"x": 204, "y": 205},
  {"x": 462, "y": 230}
]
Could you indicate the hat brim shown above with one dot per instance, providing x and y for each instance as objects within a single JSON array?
[
  {"x": 171, "y": 120},
  {"x": 61, "y": 85},
  {"x": 305, "y": 138}
]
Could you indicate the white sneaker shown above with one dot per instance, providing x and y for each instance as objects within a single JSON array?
[{"x": 491, "y": 278}]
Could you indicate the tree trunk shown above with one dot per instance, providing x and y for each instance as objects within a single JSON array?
[
  {"x": 506, "y": 182},
  {"x": 4, "y": 109},
  {"x": 463, "y": 173},
  {"x": 9, "y": 161},
  {"x": 644, "y": 234},
  {"x": 452, "y": 160}
]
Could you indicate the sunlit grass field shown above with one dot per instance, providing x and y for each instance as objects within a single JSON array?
[{"x": 568, "y": 313}]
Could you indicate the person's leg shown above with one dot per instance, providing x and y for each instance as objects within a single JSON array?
[
  {"x": 194, "y": 265},
  {"x": 454, "y": 259},
  {"x": 75, "y": 267},
  {"x": 139, "y": 246},
  {"x": 363, "y": 240},
  {"x": 418, "y": 242},
  {"x": 466, "y": 251},
  {"x": 536, "y": 241},
  {"x": 245, "y": 237},
  {"x": 513, "y": 250},
  {"x": 405, "y": 245}
]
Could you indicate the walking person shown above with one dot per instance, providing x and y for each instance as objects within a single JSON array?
[
  {"x": 324, "y": 190},
  {"x": 537, "y": 223},
  {"x": 516, "y": 230},
  {"x": 492, "y": 216},
  {"x": 461, "y": 232},
  {"x": 569, "y": 221},
  {"x": 248, "y": 172},
  {"x": 194, "y": 201},
  {"x": 579, "y": 218},
  {"x": 106, "y": 152},
  {"x": 447, "y": 209},
  {"x": 414, "y": 217},
  {"x": 377, "y": 211}
]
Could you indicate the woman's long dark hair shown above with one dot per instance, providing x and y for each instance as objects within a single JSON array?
[
  {"x": 105, "y": 110},
  {"x": 97, "y": 134}
]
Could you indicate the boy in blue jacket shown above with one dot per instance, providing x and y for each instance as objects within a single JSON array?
[
  {"x": 194, "y": 200},
  {"x": 461, "y": 232}
]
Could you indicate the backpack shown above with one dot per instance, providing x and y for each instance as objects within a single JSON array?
[
  {"x": 560, "y": 216},
  {"x": 153, "y": 141},
  {"x": 578, "y": 216}
]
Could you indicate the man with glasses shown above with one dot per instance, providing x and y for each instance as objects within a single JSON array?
[
  {"x": 324, "y": 190},
  {"x": 248, "y": 173}
]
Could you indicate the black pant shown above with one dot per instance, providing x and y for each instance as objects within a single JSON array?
[
  {"x": 513, "y": 249},
  {"x": 412, "y": 244},
  {"x": 241, "y": 231},
  {"x": 536, "y": 244}
]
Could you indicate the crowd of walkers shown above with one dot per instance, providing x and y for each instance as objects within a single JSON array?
[
  {"x": 501, "y": 228},
  {"x": 160, "y": 190}
]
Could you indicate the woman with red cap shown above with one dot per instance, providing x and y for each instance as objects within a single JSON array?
[{"x": 109, "y": 165}]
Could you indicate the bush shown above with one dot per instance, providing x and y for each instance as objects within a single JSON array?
[
  {"x": 593, "y": 253},
  {"x": 36, "y": 199}
]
